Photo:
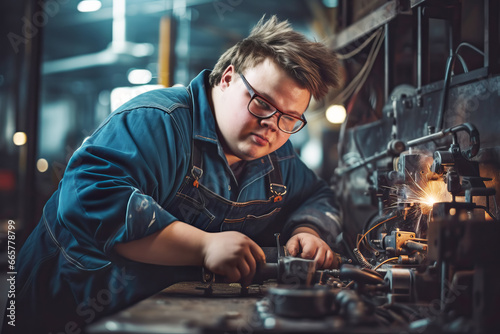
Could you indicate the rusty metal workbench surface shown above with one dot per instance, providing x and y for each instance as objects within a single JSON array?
[{"x": 188, "y": 308}]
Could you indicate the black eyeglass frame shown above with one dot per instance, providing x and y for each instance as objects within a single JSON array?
[{"x": 254, "y": 94}]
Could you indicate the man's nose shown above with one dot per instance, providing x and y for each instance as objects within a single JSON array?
[{"x": 271, "y": 122}]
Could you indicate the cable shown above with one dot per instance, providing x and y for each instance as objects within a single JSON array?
[
  {"x": 358, "y": 49},
  {"x": 372, "y": 61},
  {"x": 447, "y": 78},
  {"x": 385, "y": 261},
  {"x": 462, "y": 61},
  {"x": 357, "y": 253},
  {"x": 378, "y": 224},
  {"x": 444, "y": 95},
  {"x": 469, "y": 46},
  {"x": 361, "y": 259},
  {"x": 359, "y": 79},
  {"x": 374, "y": 219}
]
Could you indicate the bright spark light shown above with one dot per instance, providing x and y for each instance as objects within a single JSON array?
[
  {"x": 426, "y": 193},
  {"x": 429, "y": 200},
  {"x": 421, "y": 196}
]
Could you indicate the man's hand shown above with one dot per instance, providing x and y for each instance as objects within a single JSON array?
[
  {"x": 307, "y": 244},
  {"x": 233, "y": 255}
]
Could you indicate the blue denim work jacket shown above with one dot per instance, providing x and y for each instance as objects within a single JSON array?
[{"x": 134, "y": 176}]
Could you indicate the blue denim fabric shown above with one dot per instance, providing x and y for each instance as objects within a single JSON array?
[{"x": 134, "y": 177}]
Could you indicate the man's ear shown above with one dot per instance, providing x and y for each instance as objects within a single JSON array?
[{"x": 227, "y": 77}]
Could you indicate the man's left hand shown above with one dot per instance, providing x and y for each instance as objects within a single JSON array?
[{"x": 306, "y": 243}]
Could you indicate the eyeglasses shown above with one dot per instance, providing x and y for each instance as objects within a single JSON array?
[{"x": 261, "y": 108}]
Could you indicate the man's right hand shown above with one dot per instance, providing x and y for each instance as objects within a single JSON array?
[{"x": 232, "y": 255}]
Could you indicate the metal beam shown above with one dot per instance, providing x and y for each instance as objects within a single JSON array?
[{"x": 376, "y": 19}]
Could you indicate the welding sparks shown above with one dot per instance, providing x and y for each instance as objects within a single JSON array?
[
  {"x": 429, "y": 200},
  {"x": 426, "y": 193},
  {"x": 419, "y": 198}
]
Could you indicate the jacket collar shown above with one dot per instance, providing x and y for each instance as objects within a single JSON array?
[{"x": 203, "y": 118}]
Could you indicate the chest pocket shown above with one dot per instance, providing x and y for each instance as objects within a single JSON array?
[{"x": 191, "y": 205}]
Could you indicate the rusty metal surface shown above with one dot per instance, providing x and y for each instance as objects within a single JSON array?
[{"x": 186, "y": 308}]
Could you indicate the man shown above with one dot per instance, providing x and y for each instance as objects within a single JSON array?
[{"x": 183, "y": 178}]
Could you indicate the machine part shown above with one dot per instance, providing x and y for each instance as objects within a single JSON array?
[
  {"x": 289, "y": 269},
  {"x": 265, "y": 271},
  {"x": 353, "y": 307},
  {"x": 471, "y": 129},
  {"x": 404, "y": 259},
  {"x": 295, "y": 270},
  {"x": 361, "y": 259},
  {"x": 400, "y": 284},
  {"x": 394, "y": 148},
  {"x": 466, "y": 247},
  {"x": 290, "y": 301},
  {"x": 396, "y": 242},
  {"x": 418, "y": 246},
  {"x": 414, "y": 168},
  {"x": 365, "y": 276}
]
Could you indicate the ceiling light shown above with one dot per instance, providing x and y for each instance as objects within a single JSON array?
[
  {"x": 139, "y": 77},
  {"x": 87, "y": 6}
]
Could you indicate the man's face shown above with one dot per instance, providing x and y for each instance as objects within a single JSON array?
[{"x": 244, "y": 136}]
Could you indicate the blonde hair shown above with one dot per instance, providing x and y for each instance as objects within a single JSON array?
[{"x": 311, "y": 64}]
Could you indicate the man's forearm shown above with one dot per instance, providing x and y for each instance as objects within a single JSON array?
[{"x": 177, "y": 244}]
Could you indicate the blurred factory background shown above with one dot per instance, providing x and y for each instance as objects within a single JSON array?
[{"x": 65, "y": 65}]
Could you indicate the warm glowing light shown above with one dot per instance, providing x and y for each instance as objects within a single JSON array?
[
  {"x": 87, "y": 6},
  {"x": 426, "y": 194},
  {"x": 42, "y": 165},
  {"x": 19, "y": 138},
  {"x": 336, "y": 114},
  {"x": 420, "y": 198},
  {"x": 429, "y": 200}
]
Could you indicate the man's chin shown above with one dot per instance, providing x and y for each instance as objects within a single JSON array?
[{"x": 249, "y": 156}]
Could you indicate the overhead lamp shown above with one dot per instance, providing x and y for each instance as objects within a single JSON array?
[
  {"x": 87, "y": 6},
  {"x": 139, "y": 76}
]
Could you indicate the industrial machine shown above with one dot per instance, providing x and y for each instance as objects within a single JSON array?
[{"x": 424, "y": 263}]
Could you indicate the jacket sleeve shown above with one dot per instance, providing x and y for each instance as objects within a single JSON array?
[
  {"x": 116, "y": 182},
  {"x": 311, "y": 203}
]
